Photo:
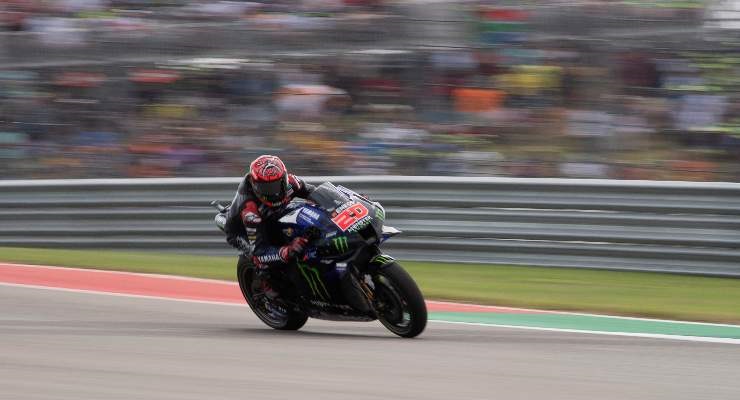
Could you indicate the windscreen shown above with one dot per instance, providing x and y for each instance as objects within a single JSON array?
[{"x": 328, "y": 197}]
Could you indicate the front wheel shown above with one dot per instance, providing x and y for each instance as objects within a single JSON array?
[
  {"x": 399, "y": 302},
  {"x": 272, "y": 312}
]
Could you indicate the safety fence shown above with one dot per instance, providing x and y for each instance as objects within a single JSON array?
[{"x": 630, "y": 225}]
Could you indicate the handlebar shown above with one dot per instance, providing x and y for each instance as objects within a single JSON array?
[{"x": 218, "y": 205}]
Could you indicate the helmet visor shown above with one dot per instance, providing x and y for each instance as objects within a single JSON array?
[{"x": 272, "y": 192}]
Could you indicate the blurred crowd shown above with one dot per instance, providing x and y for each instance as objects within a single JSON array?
[{"x": 508, "y": 99}]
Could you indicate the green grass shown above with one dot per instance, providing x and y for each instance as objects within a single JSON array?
[{"x": 625, "y": 293}]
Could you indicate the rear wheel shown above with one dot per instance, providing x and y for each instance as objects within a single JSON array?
[
  {"x": 272, "y": 312},
  {"x": 399, "y": 302}
]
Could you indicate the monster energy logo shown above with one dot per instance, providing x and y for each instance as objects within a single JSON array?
[
  {"x": 359, "y": 225},
  {"x": 340, "y": 243},
  {"x": 311, "y": 275},
  {"x": 382, "y": 259},
  {"x": 379, "y": 213}
]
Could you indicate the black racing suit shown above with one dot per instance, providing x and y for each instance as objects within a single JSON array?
[{"x": 248, "y": 218}]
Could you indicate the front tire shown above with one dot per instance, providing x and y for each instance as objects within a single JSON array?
[
  {"x": 272, "y": 312},
  {"x": 400, "y": 304}
]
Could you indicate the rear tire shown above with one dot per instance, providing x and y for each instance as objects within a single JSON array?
[
  {"x": 399, "y": 301},
  {"x": 272, "y": 312}
]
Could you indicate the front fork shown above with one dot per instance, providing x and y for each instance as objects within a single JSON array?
[{"x": 362, "y": 293}]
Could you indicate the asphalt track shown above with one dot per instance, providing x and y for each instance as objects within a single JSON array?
[{"x": 70, "y": 345}]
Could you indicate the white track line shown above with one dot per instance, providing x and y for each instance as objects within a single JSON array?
[
  {"x": 114, "y": 272},
  {"x": 629, "y": 334},
  {"x": 138, "y": 296},
  {"x": 232, "y": 283},
  {"x": 591, "y": 315}
]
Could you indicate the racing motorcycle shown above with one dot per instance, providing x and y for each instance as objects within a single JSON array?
[{"x": 342, "y": 276}]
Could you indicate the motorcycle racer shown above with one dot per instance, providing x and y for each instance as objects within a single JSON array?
[{"x": 262, "y": 195}]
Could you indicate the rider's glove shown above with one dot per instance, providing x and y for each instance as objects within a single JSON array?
[
  {"x": 293, "y": 249},
  {"x": 241, "y": 244}
]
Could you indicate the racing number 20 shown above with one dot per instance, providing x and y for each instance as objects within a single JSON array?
[{"x": 350, "y": 216}]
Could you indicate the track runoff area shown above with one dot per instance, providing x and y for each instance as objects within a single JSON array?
[{"x": 228, "y": 293}]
